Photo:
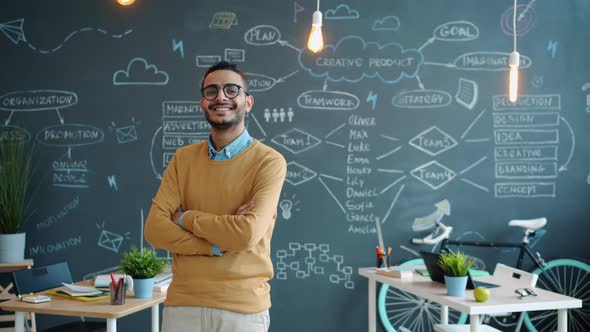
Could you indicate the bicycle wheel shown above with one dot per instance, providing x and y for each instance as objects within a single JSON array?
[
  {"x": 403, "y": 312},
  {"x": 573, "y": 278}
]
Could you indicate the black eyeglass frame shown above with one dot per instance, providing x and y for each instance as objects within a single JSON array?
[{"x": 223, "y": 89}]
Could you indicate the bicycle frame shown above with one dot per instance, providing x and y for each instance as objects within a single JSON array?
[{"x": 522, "y": 246}]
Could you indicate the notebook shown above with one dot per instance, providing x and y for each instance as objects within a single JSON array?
[{"x": 437, "y": 274}]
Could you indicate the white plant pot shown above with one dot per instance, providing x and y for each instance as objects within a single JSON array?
[{"x": 12, "y": 248}]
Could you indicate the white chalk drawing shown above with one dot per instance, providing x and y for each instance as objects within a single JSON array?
[
  {"x": 126, "y": 134},
  {"x": 393, "y": 202},
  {"x": 206, "y": 61},
  {"x": 288, "y": 206},
  {"x": 528, "y": 102},
  {"x": 433, "y": 174},
  {"x": 310, "y": 261},
  {"x": 586, "y": 87},
  {"x": 537, "y": 81},
  {"x": 525, "y": 23},
  {"x": 572, "y": 148},
  {"x": 422, "y": 99},
  {"x": 109, "y": 240},
  {"x": 467, "y": 93},
  {"x": 259, "y": 82},
  {"x": 456, "y": 31},
  {"x": 342, "y": 12},
  {"x": 372, "y": 98},
  {"x": 296, "y": 141},
  {"x": 523, "y": 152},
  {"x": 524, "y": 189},
  {"x": 139, "y": 72},
  {"x": 112, "y": 180},
  {"x": 262, "y": 35},
  {"x": 332, "y": 195},
  {"x": 468, "y": 129},
  {"x": 13, "y": 134},
  {"x": 37, "y": 100},
  {"x": 57, "y": 246},
  {"x": 70, "y": 173},
  {"x": 58, "y": 216},
  {"x": 178, "y": 46},
  {"x": 353, "y": 59},
  {"x": 234, "y": 55},
  {"x": 223, "y": 20},
  {"x": 328, "y": 100},
  {"x": 387, "y": 23},
  {"x": 278, "y": 115},
  {"x": 443, "y": 208},
  {"x": 70, "y": 135},
  {"x": 298, "y": 174},
  {"x": 14, "y": 31},
  {"x": 433, "y": 141}
]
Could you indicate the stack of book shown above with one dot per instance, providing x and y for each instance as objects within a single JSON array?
[{"x": 400, "y": 272}]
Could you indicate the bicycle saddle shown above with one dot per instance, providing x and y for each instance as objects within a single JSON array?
[{"x": 533, "y": 224}]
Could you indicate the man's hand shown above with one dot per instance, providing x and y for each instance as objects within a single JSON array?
[
  {"x": 176, "y": 215},
  {"x": 245, "y": 208}
]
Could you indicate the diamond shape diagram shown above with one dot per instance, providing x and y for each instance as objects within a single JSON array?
[
  {"x": 433, "y": 174},
  {"x": 433, "y": 141},
  {"x": 296, "y": 141},
  {"x": 298, "y": 174}
]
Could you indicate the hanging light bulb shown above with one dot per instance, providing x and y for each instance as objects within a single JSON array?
[
  {"x": 513, "y": 62},
  {"x": 315, "y": 43},
  {"x": 125, "y": 2}
]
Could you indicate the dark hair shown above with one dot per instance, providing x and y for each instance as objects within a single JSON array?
[{"x": 224, "y": 65}]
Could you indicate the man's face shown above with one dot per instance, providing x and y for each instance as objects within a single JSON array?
[{"x": 223, "y": 112}]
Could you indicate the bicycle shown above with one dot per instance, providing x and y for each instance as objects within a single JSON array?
[{"x": 400, "y": 311}]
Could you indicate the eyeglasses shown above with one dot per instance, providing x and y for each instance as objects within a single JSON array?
[{"x": 230, "y": 90}]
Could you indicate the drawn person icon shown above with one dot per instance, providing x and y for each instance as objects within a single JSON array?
[
  {"x": 275, "y": 115},
  {"x": 282, "y": 114},
  {"x": 267, "y": 114},
  {"x": 290, "y": 114}
]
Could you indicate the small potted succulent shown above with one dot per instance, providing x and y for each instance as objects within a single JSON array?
[
  {"x": 456, "y": 266},
  {"x": 142, "y": 266}
]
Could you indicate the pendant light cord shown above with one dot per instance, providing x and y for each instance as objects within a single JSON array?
[
  {"x": 318, "y": 9},
  {"x": 513, "y": 24}
]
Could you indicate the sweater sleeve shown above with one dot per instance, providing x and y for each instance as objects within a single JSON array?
[
  {"x": 160, "y": 229},
  {"x": 242, "y": 232}
]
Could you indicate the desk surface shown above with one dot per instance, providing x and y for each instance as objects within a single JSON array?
[
  {"x": 502, "y": 299},
  {"x": 98, "y": 309}
]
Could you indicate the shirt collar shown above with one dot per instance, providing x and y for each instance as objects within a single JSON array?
[{"x": 233, "y": 148}]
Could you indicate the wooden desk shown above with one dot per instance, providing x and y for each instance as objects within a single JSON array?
[
  {"x": 97, "y": 309},
  {"x": 503, "y": 299},
  {"x": 6, "y": 295}
]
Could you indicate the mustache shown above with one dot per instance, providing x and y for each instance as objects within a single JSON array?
[{"x": 221, "y": 104}]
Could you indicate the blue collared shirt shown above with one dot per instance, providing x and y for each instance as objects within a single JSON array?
[{"x": 232, "y": 149}]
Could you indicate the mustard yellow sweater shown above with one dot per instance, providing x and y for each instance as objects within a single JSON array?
[{"x": 211, "y": 191}]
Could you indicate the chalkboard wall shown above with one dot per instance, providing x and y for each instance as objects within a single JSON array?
[{"x": 403, "y": 117}]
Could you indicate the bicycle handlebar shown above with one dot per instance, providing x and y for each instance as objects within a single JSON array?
[{"x": 430, "y": 239}]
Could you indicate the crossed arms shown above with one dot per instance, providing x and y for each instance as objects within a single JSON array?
[{"x": 200, "y": 230}]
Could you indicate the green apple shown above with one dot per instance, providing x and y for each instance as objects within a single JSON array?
[{"x": 481, "y": 294}]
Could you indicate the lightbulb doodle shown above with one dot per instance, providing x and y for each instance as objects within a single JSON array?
[
  {"x": 15, "y": 33},
  {"x": 311, "y": 260},
  {"x": 288, "y": 206}
]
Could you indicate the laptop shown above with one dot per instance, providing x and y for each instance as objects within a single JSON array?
[{"x": 438, "y": 274}]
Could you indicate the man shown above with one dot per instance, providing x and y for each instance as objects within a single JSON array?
[{"x": 215, "y": 211}]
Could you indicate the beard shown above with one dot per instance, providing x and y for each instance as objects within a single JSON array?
[{"x": 229, "y": 123}]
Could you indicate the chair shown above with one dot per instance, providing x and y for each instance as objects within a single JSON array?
[
  {"x": 503, "y": 275},
  {"x": 46, "y": 277}
]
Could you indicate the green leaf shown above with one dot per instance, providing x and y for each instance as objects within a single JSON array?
[{"x": 142, "y": 264}]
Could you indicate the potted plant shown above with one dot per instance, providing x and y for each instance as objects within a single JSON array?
[
  {"x": 16, "y": 174},
  {"x": 142, "y": 266},
  {"x": 456, "y": 266}
]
